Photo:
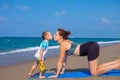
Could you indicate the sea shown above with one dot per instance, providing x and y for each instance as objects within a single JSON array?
[{"x": 16, "y": 50}]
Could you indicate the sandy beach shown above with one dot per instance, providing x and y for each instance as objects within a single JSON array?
[{"x": 20, "y": 71}]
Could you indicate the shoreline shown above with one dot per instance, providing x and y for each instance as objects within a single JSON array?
[
  {"x": 15, "y": 59},
  {"x": 20, "y": 71}
]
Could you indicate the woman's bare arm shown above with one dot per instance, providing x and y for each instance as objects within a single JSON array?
[
  {"x": 64, "y": 64},
  {"x": 60, "y": 60}
]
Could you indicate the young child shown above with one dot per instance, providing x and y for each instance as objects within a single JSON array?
[{"x": 40, "y": 54}]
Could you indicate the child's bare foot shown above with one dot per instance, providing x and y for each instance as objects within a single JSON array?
[
  {"x": 41, "y": 77},
  {"x": 30, "y": 74}
]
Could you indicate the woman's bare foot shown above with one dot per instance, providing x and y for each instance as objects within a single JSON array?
[
  {"x": 41, "y": 77},
  {"x": 118, "y": 63}
]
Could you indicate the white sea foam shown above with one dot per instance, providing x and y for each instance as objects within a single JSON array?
[
  {"x": 26, "y": 49},
  {"x": 101, "y": 43}
]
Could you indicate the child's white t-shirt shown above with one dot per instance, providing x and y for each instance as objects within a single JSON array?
[{"x": 44, "y": 46}]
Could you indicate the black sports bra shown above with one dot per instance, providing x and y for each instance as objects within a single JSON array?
[{"x": 72, "y": 49}]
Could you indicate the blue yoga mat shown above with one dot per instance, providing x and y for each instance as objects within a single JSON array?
[{"x": 78, "y": 74}]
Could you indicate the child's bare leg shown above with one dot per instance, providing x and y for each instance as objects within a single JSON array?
[
  {"x": 41, "y": 75},
  {"x": 33, "y": 68}
]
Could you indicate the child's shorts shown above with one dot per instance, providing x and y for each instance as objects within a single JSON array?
[{"x": 37, "y": 60}]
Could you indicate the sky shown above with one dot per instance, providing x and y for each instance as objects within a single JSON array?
[{"x": 84, "y": 18}]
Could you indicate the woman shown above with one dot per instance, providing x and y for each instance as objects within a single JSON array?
[{"x": 89, "y": 49}]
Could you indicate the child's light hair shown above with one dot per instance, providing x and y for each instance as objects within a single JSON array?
[{"x": 44, "y": 34}]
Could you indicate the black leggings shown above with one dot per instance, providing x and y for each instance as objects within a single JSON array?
[{"x": 89, "y": 49}]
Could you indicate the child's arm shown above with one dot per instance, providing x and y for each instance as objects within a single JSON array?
[
  {"x": 41, "y": 54},
  {"x": 43, "y": 47}
]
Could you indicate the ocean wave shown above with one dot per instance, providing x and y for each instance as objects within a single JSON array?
[
  {"x": 105, "y": 43},
  {"x": 26, "y": 49},
  {"x": 101, "y": 43},
  {"x": 109, "y": 42}
]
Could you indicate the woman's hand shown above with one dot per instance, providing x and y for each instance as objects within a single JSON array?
[{"x": 54, "y": 76}]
